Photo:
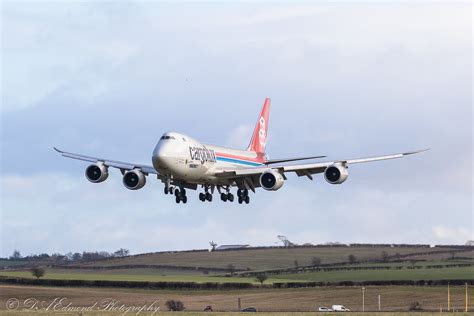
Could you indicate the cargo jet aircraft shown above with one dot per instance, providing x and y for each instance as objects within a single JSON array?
[{"x": 181, "y": 163}]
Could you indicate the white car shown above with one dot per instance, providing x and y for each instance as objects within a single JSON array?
[{"x": 324, "y": 309}]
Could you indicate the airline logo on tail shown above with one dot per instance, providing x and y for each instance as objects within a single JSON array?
[
  {"x": 259, "y": 137},
  {"x": 262, "y": 134}
]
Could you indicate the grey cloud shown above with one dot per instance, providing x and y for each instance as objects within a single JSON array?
[{"x": 345, "y": 81}]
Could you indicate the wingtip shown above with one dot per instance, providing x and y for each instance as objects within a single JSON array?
[
  {"x": 416, "y": 151},
  {"x": 56, "y": 149}
]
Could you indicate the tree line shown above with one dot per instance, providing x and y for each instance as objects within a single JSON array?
[
  {"x": 69, "y": 257},
  {"x": 215, "y": 285}
]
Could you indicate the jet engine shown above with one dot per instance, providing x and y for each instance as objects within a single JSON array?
[
  {"x": 134, "y": 179},
  {"x": 97, "y": 172},
  {"x": 271, "y": 180},
  {"x": 336, "y": 173}
]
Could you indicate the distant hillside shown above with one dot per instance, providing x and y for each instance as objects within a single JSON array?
[
  {"x": 281, "y": 258},
  {"x": 402, "y": 264}
]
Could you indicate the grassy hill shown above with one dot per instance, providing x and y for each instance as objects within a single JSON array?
[
  {"x": 273, "y": 258},
  {"x": 280, "y": 264},
  {"x": 152, "y": 275}
]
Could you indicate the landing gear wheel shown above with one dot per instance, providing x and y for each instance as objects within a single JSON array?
[
  {"x": 230, "y": 197},
  {"x": 183, "y": 191},
  {"x": 224, "y": 197},
  {"x": 209, "y": 197},
  {"x": 176, "y": 192},
  {"x": 178, "y": 199},
  {"x": 240, "y": 200},
  {"x": 239, "y": 192},
  {"x": 171, "y": 190},
  {"x": 202, "y": 197},
  {"x": 184, "y": 198},
  {"x": 166, "y": 190},
  {"x": 247, "y": 199}
]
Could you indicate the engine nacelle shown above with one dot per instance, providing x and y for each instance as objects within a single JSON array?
[
  {"x": 134, "y": 179},
  {"x": 97, "y": 172},
  {"x": 271, "y": 180},
  {"x": 336, "y": 173}
]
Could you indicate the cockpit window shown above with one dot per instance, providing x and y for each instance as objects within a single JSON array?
[{"x": 167, "y": 137}]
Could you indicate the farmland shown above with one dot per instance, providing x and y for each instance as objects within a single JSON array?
[
  {"x": 128, "y": 275},
  {"x": 240, "y": 267},
  {"x": 393, "y": 298},
  {"x": 330, "y": 276},
  {"x": 369, "y": 275},
  {"x": 273, "y": 258},
  {"x": 279, "y": 264}
]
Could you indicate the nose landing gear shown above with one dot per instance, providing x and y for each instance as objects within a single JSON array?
[{"x": 169, "y": 190}]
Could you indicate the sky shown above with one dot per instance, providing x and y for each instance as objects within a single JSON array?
[{"x": 346, "y": 79}]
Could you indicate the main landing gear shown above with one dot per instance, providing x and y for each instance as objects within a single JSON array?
[
  {"x": 180, "y": 195},
  {"x": 243, "y": 195},
  {"x": 227, "y": 197},
  {"x": 205, "y": 197}
]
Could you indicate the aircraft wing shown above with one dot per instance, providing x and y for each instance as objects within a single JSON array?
[
  {"x": 250, "y": 176},
  {"x": 123, "y": 166}
]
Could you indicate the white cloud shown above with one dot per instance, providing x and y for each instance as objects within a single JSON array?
[
  {"x": 455, "y": 235},
  {"x": 107, "y": 80},
  {"x": 240, "y": 136}
]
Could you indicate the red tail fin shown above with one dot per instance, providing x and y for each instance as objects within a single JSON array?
[{"x": 259, "y": 137}]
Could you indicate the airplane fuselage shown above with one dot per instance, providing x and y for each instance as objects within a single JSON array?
[{"x": 182, "y": 157}]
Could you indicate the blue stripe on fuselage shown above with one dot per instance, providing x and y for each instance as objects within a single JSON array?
[{"x": 243, "y": 162}]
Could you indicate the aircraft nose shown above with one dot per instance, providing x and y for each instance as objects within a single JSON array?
[{"x": 161, "y": 156}]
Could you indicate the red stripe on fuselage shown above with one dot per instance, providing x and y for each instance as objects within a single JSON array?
[{"x": 259, "y": 158}]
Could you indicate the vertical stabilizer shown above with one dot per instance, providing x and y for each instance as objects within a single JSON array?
[{"x": 259, "y": 137}]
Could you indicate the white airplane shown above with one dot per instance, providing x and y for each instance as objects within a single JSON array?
[{"x": 182, "y": 162}]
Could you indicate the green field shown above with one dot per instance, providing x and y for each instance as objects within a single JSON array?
[
  {"x": 128, "y": 275},
  {"x": 331, "y": 276},
  {"x": 170, "y": 266},
  {"x": 380, "y": 275},
  {"x": 296, "y": 262}
]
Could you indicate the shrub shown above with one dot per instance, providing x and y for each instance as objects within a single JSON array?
[
  {"x": 174, "y": 305},
  {"x": 415, "y": 306},
  {"x": 316, "y": 261},
  {"x": 231, "y": 268},
  {"x": 37, "y": 272},
  {"x": 352, "y": 259},
  {"x": 262, "y": 277}
]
